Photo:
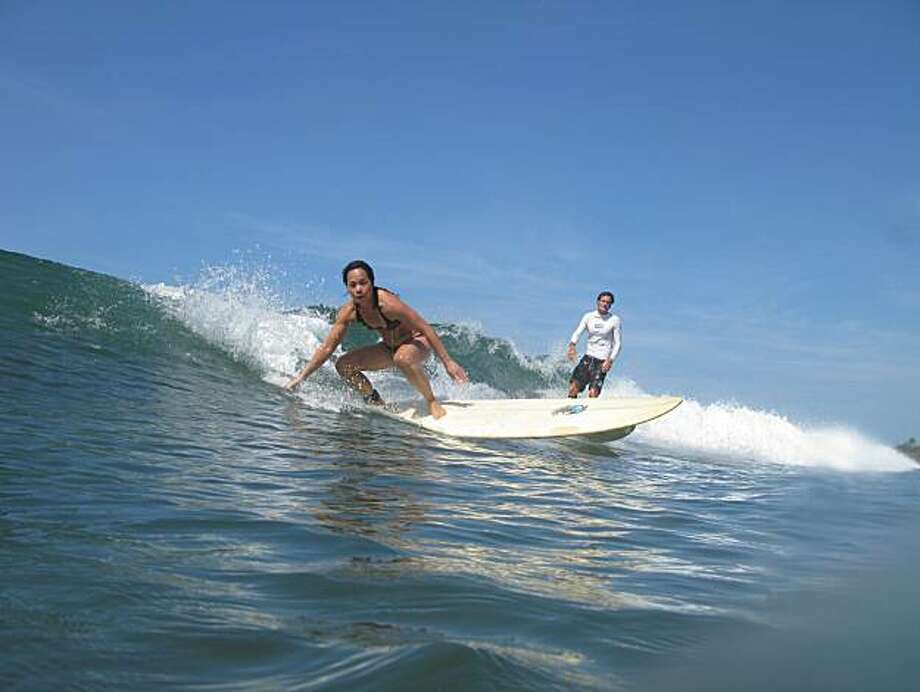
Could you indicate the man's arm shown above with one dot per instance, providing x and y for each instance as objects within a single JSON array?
[
  {"x": 576, "y": 335},
  {"x": 615, "y": 346},
  {"x": 615, "y": 351}
]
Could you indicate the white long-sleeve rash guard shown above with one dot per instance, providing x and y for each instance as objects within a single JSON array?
[{"x": 603, "y": 334}]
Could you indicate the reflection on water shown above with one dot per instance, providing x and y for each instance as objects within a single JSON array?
[
  {"x": 369, "y": 492},
  {"x": 562, "y": 520},
  {"x": 530, "y": 518}
]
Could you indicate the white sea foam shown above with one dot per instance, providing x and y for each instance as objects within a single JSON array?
[
  {"x": 733, "y": 430},
  {"x": 248, "y": 325}
]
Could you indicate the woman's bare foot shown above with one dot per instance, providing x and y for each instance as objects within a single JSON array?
[{"x": 435, "y": 409}]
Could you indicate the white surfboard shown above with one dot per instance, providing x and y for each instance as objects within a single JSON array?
[{"x": 603, "y": 419}]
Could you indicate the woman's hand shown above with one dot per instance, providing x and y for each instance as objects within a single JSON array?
[
  {"x": 456, "y": 373},
  {"x": 293, "y": 383},
  {"x": 571, "y": 353}
]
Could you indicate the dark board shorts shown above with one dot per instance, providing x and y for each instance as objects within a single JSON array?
[{"x": 589, "y": 372}]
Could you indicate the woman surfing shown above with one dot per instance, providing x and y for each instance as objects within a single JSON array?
[{"x": 406, "y": 340}]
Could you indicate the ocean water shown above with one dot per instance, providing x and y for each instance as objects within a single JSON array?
[{"x": 170, "y": 518}]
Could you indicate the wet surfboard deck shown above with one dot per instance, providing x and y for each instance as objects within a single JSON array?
[{"x": 609, "y": 418}]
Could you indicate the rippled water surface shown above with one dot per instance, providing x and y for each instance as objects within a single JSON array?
[{"x": 170, "y": 518}]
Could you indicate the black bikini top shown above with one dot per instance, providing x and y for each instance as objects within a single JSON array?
[{"x": 389, "y": 325}]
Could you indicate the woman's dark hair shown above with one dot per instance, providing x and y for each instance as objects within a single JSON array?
[
  {"x": 357, "y": 264},
  {"x": 599, "y": 295}
]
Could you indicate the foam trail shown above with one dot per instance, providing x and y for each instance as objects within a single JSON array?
[{"x": 732, "y": 430}]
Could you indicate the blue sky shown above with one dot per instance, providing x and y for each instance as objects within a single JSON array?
[{"x": 744, "y": 176}]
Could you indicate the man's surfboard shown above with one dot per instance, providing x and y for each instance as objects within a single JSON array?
[{"x": 604, "y": 419}]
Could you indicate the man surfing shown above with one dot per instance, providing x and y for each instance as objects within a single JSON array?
[
  {"x": 406, "y": 340},
  {"x": 603, "y": 347}
]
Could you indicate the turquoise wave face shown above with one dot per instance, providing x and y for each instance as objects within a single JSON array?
[
  {"x": 120, "y": 315},
  {"x": 56, "y": 299},
  {"x": 90, "y": 361}
]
